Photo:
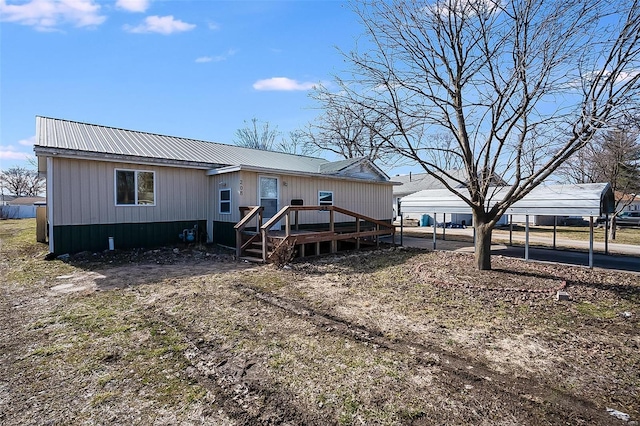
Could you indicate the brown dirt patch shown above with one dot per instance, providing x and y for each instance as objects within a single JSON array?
[{"x": 193, "y": 337}]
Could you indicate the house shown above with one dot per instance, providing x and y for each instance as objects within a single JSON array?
[
  {"x": 26, "y": 201},
  {"x": 129, "y": 188},
  {"x": 631, "y": 202},
  {"x": 6, "y": 199},
  {"x": 19, "y": 207}
]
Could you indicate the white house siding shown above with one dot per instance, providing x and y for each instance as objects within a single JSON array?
[
  {"x": 367, "y": 198},
  {"x": 84, "y": 194}
]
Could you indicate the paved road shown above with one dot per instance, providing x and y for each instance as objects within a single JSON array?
[{"x": 627, "y": 262}]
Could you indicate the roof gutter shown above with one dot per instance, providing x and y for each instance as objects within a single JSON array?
[
  {"x": 117, "y": 158},
  {"x": 232, "y": 169}
]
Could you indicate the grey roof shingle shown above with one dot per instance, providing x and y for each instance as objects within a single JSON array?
[{"x": 57, "y": 134}]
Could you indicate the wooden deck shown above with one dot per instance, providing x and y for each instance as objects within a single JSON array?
[{"x": 259, "y": 242}]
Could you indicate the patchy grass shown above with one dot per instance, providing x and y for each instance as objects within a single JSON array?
[{"x": 382, "y": 337}]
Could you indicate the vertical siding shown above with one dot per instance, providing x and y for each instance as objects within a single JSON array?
[
  {"x": 83, "y": 193},
  {"x": 370, "y": 199}
]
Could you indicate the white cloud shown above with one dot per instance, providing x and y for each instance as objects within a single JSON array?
[
  {"x": 217, "y": 58},
  {"x": 213, "y": 26},
  {"x": 10, "y": 153},
  {"x": 47, "y": 15},
  {"x": 28, "y": 142},
  {"x": 282, "y": 83},
  {"x": 161, "y": 24},
  {"x": 133, "y": 5}
]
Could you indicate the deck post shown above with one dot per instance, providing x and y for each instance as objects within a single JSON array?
[
  {"x": 264, "y": 245},
  {"x": 331, "y": 216},
  {"x": 287, "y": 224},
  {"x": 334, "y": 243},
  {"x": 238, "y": 243},
  {"x": 297, "y": 228},
  {"x": 358, "y": 233},
  {"x": 377, "y": 236}
]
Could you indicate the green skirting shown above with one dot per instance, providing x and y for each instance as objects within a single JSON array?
[
  {"x": 224, "y": 233},
  {"x": 95, "y": 238}
]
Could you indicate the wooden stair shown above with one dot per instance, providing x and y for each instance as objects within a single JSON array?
[{"x": 259, "y": 243}]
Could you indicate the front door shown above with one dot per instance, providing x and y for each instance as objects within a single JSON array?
[{"x": 269, "y": 196}]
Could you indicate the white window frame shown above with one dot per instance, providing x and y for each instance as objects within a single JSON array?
[
  {"x": 220, "y": 201},
  {"x": 325, "y": 203},
  {"x": 135, "y": 183}
]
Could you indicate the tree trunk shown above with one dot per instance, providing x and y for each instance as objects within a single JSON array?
[
  {"x": 612, "y": 229},
  {"x": 483, "y": 233}
]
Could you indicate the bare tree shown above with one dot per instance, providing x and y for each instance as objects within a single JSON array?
[
  {"x": 520, "y": 85},
  {"x": 348, "y": 130},
  {"x": 295, "y": 142},
  {"x": 612, "y": 157},
  {"x": 255, "y": 136},
  {"x": 22, "y": 182}
]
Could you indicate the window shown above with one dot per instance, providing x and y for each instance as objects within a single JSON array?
[
  {"x": 325, "y": 198},
  {"x": 134, "y": 187},
  {"x": 225, "y": 201}
]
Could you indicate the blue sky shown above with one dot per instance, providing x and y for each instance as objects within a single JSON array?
[{"x": 195, "y": 69}]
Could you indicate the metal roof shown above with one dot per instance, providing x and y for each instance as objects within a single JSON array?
[
  {"x": 75, "y": 138},
  {"x": 593, "y": 199},
  {"x": 415, "y": 182}
]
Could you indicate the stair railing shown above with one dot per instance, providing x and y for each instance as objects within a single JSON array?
[{"x": 253, "y": 211}]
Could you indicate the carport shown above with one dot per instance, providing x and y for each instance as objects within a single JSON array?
[{"x": 592, "y": 200}]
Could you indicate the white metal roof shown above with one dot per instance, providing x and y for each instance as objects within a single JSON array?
[
  {"x": 593, "y": 199},
  {"x": 64, "y": 137}
]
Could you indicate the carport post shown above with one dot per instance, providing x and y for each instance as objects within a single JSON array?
[
  {"x": 606, "y": 233},
  {"x": 510, "y": 229},
  {"x": 434, "y": 230},
  {"x": 526, "y": 238},
  {"x": 590, "y": 242},
  {"x": 444, "y": 225},
  {"x": 555, "y": 224}
]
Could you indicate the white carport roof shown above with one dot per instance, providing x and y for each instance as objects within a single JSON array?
[{"x": 592, "y": 199}]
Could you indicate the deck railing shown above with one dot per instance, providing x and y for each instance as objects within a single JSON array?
[{"x": 381, "y": 228}]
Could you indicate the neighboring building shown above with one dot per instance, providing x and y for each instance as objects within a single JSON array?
[
  {"x": 631, "y": 202},
  {"x": 26, "y": 201},
  {"x": 20, "y": 207},
  {"x": 144, "y": 189},
  {"x": 6, "y": 199}
]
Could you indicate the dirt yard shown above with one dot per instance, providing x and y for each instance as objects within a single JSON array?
[{"x": 190, "y": 336}]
